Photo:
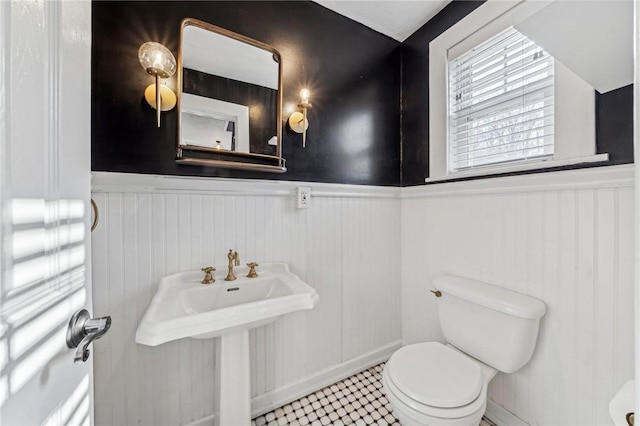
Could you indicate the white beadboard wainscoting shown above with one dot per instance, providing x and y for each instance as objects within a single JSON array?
[
  {"x": 346, "y": 246},
  {"x": 564, "y": 237}
]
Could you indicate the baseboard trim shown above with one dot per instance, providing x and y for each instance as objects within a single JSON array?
[
  {"x": 290, "y": 392},
  {"x": 502, "y": 417},
  {"x": 209, "y": 420}
]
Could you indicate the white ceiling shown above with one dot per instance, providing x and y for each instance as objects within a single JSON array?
[{"x": 396, "y": 19}]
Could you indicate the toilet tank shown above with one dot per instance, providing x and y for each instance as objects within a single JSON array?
[{"x": 492, "y": 324}]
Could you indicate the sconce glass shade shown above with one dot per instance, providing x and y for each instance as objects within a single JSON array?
[
  {"x": 304, "y": 99},
  {"x": 157, "y": 60},
  {"x": 304, "y": 96}
]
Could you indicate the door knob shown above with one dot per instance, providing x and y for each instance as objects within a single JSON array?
[{"x": 83, "y": 330}]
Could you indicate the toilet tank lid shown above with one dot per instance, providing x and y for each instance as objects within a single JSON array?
[{"x": 491, "y": 296}]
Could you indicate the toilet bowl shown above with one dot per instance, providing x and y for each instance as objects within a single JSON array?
[
  {"x": 433, "y": 384},
  {"x": 488, "y": 329}
]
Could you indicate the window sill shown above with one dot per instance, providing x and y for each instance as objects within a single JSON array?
[{"x": 491, "y": 171}]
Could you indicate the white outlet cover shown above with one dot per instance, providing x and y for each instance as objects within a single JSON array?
[{"x": 304, "y": 197}]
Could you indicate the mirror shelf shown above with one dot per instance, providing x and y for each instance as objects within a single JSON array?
[{"x": 237, "y": 165}]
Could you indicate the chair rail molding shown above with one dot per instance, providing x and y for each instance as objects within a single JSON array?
[
  {"x": 595, "y": 177},
  {"x": 140, "y": 183},
  {"x": 620, "y": 176}
]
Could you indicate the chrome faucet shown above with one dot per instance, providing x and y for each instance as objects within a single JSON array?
[{"x": 234, "y": 259}]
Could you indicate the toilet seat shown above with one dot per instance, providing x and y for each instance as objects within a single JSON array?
[
  {"x": 436, "y": 375},
  {"x": 413, "y": 394}
]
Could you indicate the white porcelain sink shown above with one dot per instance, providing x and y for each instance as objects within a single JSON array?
[{"x": 183, "y": 307}]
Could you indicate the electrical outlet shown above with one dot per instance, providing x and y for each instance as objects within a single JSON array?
[{"x": 304, "y": 197}]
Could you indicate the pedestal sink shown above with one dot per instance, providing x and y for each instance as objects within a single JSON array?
[{"x": 183, "y": 307}]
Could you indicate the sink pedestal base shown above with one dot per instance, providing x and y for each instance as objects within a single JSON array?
[{"x": 234, "y": 392}]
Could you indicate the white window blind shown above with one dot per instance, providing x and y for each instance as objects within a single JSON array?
[{"x": 500, "y": 103}]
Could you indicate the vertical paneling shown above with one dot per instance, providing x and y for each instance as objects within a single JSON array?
[
  {"x": 101, "y": 307},
  {"x": 572, "y": 248},
  {"x": 606, "y": 252},
  {"x": 370, "y": 231},
  {"x": 115, "y": 286},
  {"x": 549, "y": 342},
  {"x": 130, "y": 286},
  {"x": 585, "y": 313},
  {"x": 324, "y": 269},
  {"x": 346, "y": 248},
  {"x": 145, "y": 370},
  {"x": 158, "y": 356},
  {"x": 624, "y": 343}
]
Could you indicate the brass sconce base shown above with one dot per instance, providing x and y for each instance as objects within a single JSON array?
[
  {"x": 296, "y": 121},
  {"x": 168, "y": 97}
]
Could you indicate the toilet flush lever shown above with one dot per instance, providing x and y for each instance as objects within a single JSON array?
[{"x": 438, "y": 293}]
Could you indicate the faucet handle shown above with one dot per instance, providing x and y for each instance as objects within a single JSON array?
[
  {"x": 208, "y": 277},
  {"x": 252, "y": 270}
]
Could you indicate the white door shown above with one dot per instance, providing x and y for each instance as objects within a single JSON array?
[
  {"x": 636, "y": 147},
  {"x": 45, "y": 72}
]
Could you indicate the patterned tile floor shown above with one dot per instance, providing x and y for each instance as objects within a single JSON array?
[{"x": 358, "y": 400}]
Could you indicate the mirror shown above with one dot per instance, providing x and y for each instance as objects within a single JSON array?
[{"x": 230, "y": 100}]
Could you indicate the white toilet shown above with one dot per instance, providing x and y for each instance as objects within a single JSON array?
[{"x": 487, "y": 328}]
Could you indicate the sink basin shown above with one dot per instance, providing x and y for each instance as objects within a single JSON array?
[{"x": 183, "y": 307}]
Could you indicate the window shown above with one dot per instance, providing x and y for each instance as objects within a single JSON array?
[
  {"x": 495, "y": 125},
  {"x": 501, "y": 103}
]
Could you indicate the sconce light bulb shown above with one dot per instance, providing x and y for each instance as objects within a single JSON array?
[
  {"x": 304, "y": 95},
  {"x": 157, "y": 60}
]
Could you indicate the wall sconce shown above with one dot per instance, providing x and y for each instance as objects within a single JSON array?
[
  {"x": 159, "y": 62},
  {"x": 298, "y": 120}
]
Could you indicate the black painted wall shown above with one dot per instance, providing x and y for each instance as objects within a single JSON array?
[
  {"x": 614, "y": 124},
  {"x": 353, "y": 74},
  {"x": 415, "y": 90},
  {"x": 614, "y": 110}
]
